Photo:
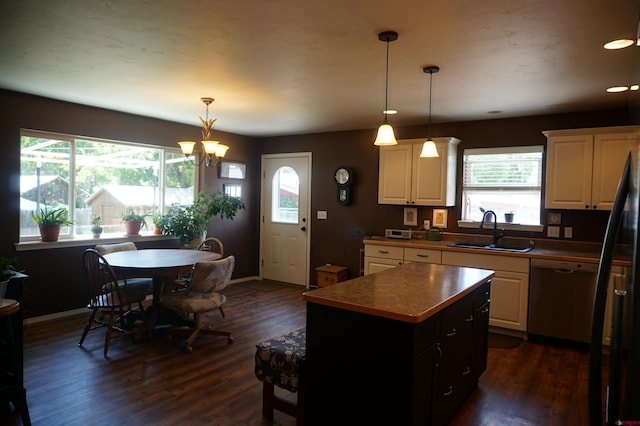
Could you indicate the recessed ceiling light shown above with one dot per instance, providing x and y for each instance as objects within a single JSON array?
[
  {"x": 617, "y": 89},
  {"x": 619, "y": 44}
]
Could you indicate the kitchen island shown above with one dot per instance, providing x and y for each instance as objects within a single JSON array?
[{"x": 404, "y": 346}]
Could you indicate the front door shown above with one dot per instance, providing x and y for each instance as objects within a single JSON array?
[{"x": 285, "y": 226}]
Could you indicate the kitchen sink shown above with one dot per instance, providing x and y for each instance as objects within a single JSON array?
[{"x": 491, "y": 247}]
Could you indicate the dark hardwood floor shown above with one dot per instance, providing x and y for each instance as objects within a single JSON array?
[{"x": 158, "y": 383}]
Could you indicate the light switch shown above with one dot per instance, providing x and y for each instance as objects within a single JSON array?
[
  {"x": 322, "y": 214},
  {"x": 568, "y": 232},
  {"x": 553, "y": 231}
]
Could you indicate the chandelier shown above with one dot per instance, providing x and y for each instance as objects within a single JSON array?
[{"x": 213, "y": 150}]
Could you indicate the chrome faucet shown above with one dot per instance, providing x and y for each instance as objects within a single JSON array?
[{"x": 496, "y": 235}]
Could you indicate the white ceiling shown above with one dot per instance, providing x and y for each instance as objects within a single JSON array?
[{"x": 279, "y": 67}]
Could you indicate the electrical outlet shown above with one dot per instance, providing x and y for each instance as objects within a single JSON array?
[
  {"x": 553, "y": 231},
  {"x": 568, "y": 232},
  {"x": 322, "y": 214}
]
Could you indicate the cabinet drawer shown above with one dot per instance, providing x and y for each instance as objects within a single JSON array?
[
  {"x": 422, "y": 255},
  {"x": 456, "y": 327},
  {"x": 385, "y": 252}
]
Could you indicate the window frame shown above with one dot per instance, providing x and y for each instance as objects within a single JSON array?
[
  {"x": 469, "y": 223},
  {"x": 72, "y": 238}
]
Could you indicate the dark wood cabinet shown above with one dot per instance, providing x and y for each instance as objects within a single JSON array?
[{"x": 365, "y": 369}]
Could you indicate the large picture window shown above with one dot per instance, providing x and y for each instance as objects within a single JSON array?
[
  {"x": 505, "y": 180},
  {"x": 92, "y": 177}
]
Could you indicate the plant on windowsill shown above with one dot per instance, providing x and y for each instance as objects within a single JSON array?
[
  {"x": 96, "y": 226},
  {"x": 50, "y": 221},
  {"x": 134, "y": 222},
  {"x": 189, "y": 223},
  {"x": 159, "y": 223}
]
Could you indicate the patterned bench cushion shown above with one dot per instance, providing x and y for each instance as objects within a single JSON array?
[{"x": 278, "y": 359}]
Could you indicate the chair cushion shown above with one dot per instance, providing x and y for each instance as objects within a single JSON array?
[
  {"x": 278, "y": 359},
  {"x": 193, "y": 301},
  {"x": 103, "y": 249}
]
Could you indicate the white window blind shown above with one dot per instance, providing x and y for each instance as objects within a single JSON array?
[{"x": 505, "y": 180}]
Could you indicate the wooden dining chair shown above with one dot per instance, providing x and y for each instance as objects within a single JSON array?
[
  {"x": 142, "y": 285},
  {"x": 212, "y": 244},
  {"x": 201, "y": 296},
  {"x": 106, "y": 296}
]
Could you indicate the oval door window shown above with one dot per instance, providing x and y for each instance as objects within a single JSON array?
[{"x": 285, "y": 195}]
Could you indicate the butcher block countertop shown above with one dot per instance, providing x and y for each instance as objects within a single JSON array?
[
  {"x": 410, "y": 293},
  {"x": 564, "y": 251}
]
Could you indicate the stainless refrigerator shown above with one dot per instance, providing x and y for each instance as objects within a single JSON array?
[{"x": 616, "y": 400}]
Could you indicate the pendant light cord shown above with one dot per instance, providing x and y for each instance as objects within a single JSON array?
[{"x": 386, "y": 86}]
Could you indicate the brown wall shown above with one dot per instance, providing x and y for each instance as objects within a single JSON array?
[
  {"x": 338, "y": 239},
  {"x": 55, "y": 278}
]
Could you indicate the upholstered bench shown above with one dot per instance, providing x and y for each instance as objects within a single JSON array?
[{"x": 280, "y": 362}]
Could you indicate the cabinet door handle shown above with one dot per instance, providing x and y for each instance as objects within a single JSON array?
[
  {"x": 423, "y": 255},
  {"x": 469, "y": 319},
  {"x": 485, "y": 309},
  {"x": 439, "y": 351},
  {"x": 452, "y": 333},
  {"x": 383, "y": 252},
  {"x": 467, "y": 371},
  {"x": 448, "y": 392}
]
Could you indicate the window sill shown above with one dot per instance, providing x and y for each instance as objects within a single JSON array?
[
  {"x": 503, "y": 225},
  {"x": 83, "y": 242}
]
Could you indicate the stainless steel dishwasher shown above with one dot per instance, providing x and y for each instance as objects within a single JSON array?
[{"x": 561, "y": 299}]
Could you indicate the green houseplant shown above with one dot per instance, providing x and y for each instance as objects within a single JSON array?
[
  {"x": 134, "y": 222},
  {"x": 96, "y": 226},
  {"x": 190, "y": 222},
  {"x": 49, "y": 222}
]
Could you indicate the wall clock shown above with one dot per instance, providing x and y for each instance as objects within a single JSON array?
[{"x": 344, "y": 179}]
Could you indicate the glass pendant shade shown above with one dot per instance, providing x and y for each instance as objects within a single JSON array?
[
  {"x": 429, "y": 149},
  {"x": 385, "y": 135},
  {"x": 221, "y": 150},
  {"x": 187, "y": 147},
  {"x": 210, "y": 146}
]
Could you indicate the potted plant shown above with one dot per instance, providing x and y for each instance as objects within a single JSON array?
[
  {"x": 50, "y": 221},
  {"x": 96, "y": 226},
  {"x": 134, "y": 222},
  {"x": 189, "y": 223},
  {"x": 159, "y": 222}
]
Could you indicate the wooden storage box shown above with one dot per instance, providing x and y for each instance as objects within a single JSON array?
[{"x": 331, "y": 274}]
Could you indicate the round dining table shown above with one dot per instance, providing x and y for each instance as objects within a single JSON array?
[
  {"x": 162, "y": 265},
  {"x": 156, "y": 263}
]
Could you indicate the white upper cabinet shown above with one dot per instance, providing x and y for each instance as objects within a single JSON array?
[
  {"x": 406, "y": 178},
  {"x": 584, "y": 166}
]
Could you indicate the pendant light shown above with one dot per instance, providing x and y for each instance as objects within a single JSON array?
[
  {"x": 385, "y": 131},
  {"x": 213, "y": 150},
  {"x": 429, "y": 148}
]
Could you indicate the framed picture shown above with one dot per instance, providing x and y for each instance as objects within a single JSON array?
[
  {"x": 439, "y": 218},
  {"x": 410, "y": 216},
  {"x": 232, "y": 189},
  {"x": 232, "y": 170}
]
